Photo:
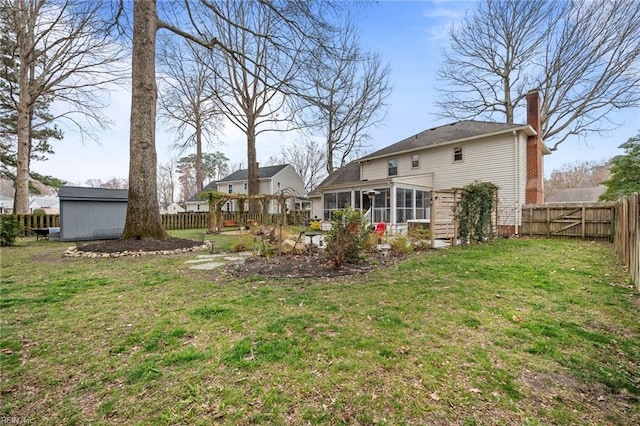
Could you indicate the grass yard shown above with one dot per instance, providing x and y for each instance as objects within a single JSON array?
[{"x": 528, "y": 332}]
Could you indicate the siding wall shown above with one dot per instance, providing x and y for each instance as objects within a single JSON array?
[
  {"x": 487, "y": 160},
  {"x": 91, "y": 220}
]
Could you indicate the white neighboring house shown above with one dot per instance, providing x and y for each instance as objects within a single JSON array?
[
  {"x": 401, "y": 177},
  {"x": 172, "y": 208},
  {"x": 280, "y": 179},
  {"x": 6, "y": 205},
  {"x": 50, "y": 204}
]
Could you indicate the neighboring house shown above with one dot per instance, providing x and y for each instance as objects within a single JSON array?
[
  {"x": 280, "y": 179},
  {"x": 173, "y": 208},
  {"x": 49, "y": 204},
  {"x": 398, "y": 180},
  {"x": 576, "y": 195},
  {"x": 6, "y": 205}
]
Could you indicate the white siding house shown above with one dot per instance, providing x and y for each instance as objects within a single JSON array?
[
  {"x": 397, "y": 181},
  {"x": 280, "y": 179}
]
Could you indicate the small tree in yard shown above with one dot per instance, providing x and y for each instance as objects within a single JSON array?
[
  {"x": 347, "y": 237},
  {"x": 474, "y": 211},
  {"x": 10, "y": 229}
]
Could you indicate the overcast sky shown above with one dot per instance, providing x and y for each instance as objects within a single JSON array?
[{"x": 409, "y": 35}]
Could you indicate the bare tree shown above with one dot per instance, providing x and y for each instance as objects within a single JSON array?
[
  {"x": 346, "y": 95},
  {"x": 583, "y": 56},
  {"x": 115, "y": 183},
  {"x": 584, "y": 174},
  {"x": 302, "y": 18},
  {"x": 188, "y": 99},
  {"x": 93, "y": 183},
  {"x": 166, "y": 183},
  {"x": 307, "y": 160},
  {"x": 64, "y": 52},
  {"x": 255, "y": 83}
]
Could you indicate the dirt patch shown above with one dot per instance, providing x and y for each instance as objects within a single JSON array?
[{"x": 307, "y": 266}]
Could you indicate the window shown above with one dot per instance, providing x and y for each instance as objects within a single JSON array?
[
  {"x": 457, "y": 154},
  {"x": 244, "y": 186},
  {"x": 230, "y": 188},
  {"x": 382, "y": 205},
  {"x": 393, "y": 167},
  {"x": 404, "y": 205},
  {"x": 423, "y": 199},
  {"x": 335, "y": 201},
  {"x": 278, "y": 184},
  {"x": 415, "y": 161}
]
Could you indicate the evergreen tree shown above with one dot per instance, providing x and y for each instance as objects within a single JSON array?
[{"x": 625, "y": 171}]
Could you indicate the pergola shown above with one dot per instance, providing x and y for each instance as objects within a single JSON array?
[{"x": 218, "y": 199}]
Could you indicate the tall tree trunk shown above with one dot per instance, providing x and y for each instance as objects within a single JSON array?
[
  {"x": 24, "y": 41},
  {"x": 143, "y": 211},
  {"x": 198, "y": 165},
  {"x": 252, "y": 165}
]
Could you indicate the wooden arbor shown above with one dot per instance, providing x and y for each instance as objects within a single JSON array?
[{"x": 218, "y": 199}]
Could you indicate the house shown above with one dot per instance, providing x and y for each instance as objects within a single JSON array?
[
  {"x": 92, "y": 213},
  {"x": 6, "y": 205},
  {"x": 50, "y": 204},
  {"x": 173, "y": 208},
  {"x": 397, "y": 181},
  {"x": 280, "y": 179}
]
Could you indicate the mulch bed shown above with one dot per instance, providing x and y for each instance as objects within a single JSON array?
[
  {"x": 142, "y": 245},
  {"x": 308, "y": 266}
]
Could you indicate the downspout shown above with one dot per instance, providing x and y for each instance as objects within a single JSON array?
[{"x": 517, "y": 180}]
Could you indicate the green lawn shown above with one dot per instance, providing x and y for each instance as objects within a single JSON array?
[{"x": 516, "y": 332}]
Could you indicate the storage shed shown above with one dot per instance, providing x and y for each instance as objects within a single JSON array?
[{"x": 92, "y": 213}]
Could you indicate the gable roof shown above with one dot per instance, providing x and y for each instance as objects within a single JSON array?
[
  {"x": 449, "y": 133},
  {"x": 79, "y": 193},
  {"x": 346, "y": 174},
  {"x": 263, "y": 173}
]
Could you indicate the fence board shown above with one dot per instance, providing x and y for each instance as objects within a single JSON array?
[
  {"x": 627, "y": 235},
  {"x": 593, "y": 221}
]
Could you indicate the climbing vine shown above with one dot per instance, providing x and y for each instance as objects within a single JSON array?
[{"x": 475, "y": 209}]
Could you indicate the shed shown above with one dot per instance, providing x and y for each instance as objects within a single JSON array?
[{"x": 92, "y": 213}]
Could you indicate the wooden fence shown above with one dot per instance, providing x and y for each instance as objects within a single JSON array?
[
  {"x": 617, "y": 222},
  {"x": 169, "y": 221},
  {"x": 35, "y": 221},
  {"x": 627, "y": 234},
  {"x": 591, "y": 221}
]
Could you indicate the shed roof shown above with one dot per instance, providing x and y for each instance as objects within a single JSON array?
[{"x": 79, "y": 193}]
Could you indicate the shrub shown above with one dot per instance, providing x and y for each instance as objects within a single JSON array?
[
  {"x": 400, "y": 245},
  {"x": 420, "y": 238},
  {"x": 9, "y": 229},
  {"x": 474, "y": 211},
  {"x": 347, "y": 237}
]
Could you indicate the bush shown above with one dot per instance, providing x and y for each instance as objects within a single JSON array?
[
  {"x": 10, "y": 229},
  {"x": 400, "y": 245},
  {"x": 420, "y": 238},
  {"x": 347, "y": 237},
  {"x": 474, "y": 211}
]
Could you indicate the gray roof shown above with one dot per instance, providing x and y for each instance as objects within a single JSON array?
[
  {"x": 79, "y": 193},
  {"x": 348, "y": 173},
  {"x": 444, "y": 134},
  {"x": 263, "y": 173}
]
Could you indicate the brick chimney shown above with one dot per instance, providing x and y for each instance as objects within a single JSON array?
[{"x": 534, "y": 193}]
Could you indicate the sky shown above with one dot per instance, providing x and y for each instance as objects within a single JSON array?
[{"x": 409, "y": 35}]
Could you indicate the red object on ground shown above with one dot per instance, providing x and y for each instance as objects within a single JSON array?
[{"x": 381, "y": 228}]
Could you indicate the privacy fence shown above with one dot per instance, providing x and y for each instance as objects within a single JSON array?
[
  {"x": 618, "y": 222},
  {"x": 173, "y": 221}
]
